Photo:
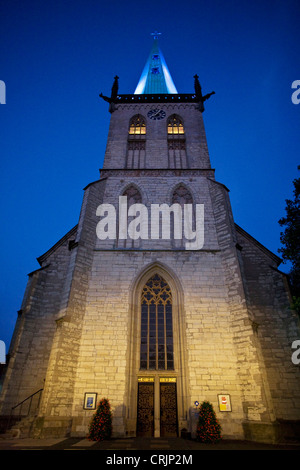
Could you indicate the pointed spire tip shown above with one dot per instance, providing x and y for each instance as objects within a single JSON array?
[
  {"x": 155, "y": 34},
  {"x": 155, "y": 78}
]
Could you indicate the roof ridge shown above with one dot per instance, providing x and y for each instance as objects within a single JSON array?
[{"x": 45, "y": 255}]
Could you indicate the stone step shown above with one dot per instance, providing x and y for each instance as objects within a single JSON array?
[{"x": 20, "y": 429}]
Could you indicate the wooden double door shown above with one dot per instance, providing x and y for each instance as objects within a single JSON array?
[{"x": 148, "y": 401}]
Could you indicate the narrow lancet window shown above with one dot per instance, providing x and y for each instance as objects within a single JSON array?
[
  {"x": 133, "y": 196},
  {"x": 182, "y": 196}
]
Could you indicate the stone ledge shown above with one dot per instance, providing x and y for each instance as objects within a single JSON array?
[
  {"x": 54, "y": 427},
  {"x": 280, "y": 431}
]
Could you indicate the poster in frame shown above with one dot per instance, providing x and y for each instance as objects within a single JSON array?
[
  {"x": 90, "y": 401},
  {"x": 224, "y": 402}
]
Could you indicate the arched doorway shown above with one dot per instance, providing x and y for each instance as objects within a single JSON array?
[
  {"x": 156, "y": 356},
  {"x": 157, "y": 401}
]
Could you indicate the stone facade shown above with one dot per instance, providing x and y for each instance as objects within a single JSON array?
[{"x": 79, "y": 328}]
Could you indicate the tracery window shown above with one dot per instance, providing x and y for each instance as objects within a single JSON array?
[
  {"x": 182, "y": 195},
  {"x": 175, "y": 125},
  {"x": 133, "y": 195},
  {"x": 137, "y": 125},
  {"x": 136, "y": 146},
  {"x": 156, "y": 351}
]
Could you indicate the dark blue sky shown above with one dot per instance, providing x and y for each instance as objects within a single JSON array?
[{"x": 57, "y": 56}]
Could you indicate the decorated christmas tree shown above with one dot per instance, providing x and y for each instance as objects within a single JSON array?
[
  {"x": 208, "y": 428},
  {"x": 101, "y": 425}
]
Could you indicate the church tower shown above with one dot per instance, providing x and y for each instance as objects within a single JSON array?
[{"x": 156, "y": 299}]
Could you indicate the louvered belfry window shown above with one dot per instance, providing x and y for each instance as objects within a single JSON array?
[{"x": 156, "y": 326}]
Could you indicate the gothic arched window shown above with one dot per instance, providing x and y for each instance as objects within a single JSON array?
[
  {"x": 182, "y": 195},
  {"x": 136, "y": 146},
  {"x": 175, "y": 125},
  {"x": 137, "y": 125},
  {"x": 156, "y": 326},
  {"x": 133, "y": 195}
]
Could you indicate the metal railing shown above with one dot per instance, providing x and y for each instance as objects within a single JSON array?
[{"x": 28, "y": 401}]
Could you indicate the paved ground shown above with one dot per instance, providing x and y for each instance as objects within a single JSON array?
[{"x": 147, "y": 445}]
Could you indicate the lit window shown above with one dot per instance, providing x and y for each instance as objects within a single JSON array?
[
  {"x": 156, "y": 326},
  {"x": 137, "y": 125},
  {"x": 175, "y": 125}
]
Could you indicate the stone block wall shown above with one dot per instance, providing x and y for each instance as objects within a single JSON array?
[
  {"x": 103, "y": 364},
  {"x": 34, "y": 331},
  {"x": 156, "y": 135},
  {"x": 277, "y": 326}
]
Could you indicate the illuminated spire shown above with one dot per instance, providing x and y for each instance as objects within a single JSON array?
[{"x": 155, "y": 78}]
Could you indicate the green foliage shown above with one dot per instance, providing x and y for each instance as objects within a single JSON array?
[
  {"x": 296, "y": 304},
  {"x": 101, "y": 425},
  {"x": 290, "y": 240},
  {"x": 208, "y": 428}
]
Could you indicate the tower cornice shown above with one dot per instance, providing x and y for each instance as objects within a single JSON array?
[
  {"x": 158, "y": 98},
  {"x": 152, "y": 172}
]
